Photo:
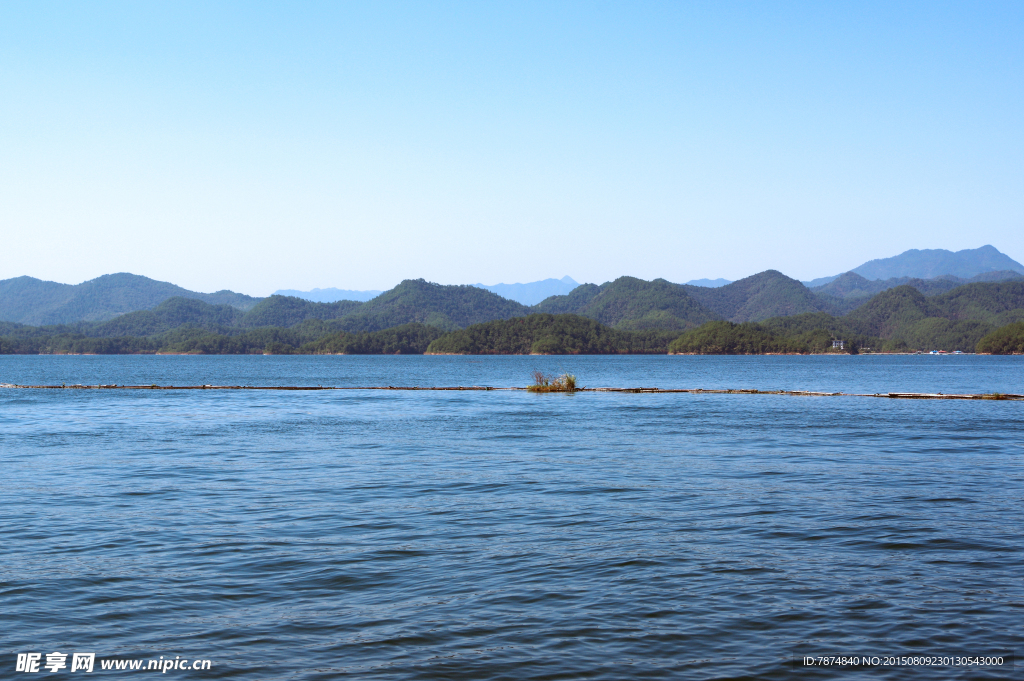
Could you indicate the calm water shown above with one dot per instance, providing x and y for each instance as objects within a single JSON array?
[{"x": 505, "y": 535}]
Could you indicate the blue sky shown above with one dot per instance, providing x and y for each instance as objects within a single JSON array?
[{"x": 257, "y": 146}]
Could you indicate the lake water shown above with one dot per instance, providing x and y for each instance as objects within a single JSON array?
[{"x": 507, "y": 535}]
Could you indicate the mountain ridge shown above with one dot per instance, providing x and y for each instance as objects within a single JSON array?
[
  {"x": 328, "y": 295},
  {"x": 28, "y": 300},
  {"x": 930, "y": 264},
  {"x": 899, "y": 318},
  {"x": 626, "y": 303}
]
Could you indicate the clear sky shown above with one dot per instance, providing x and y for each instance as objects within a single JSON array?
[{"x": 256, "y": 146}]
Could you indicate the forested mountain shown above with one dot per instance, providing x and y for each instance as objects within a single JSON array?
[
  {"x": 989, "y": 277},
  {"x": 568, "y": 334},
  {"x": 996, "y": 303},
  {"x": 645, "y": 315},
  {"x": 168, "y": 315},
  {"x": 631, "y": 303},
  {"x": 893, "y": 311},
  {"x": 850, "y": 290},
  {"x": 748, "y": 338},
  {"x": 955, "y": 320},
  {"x": 764, "y": 295},
  {"x": 407, "y": 339},
  {"x": 853, "y": 286},
  {"x": 289, "y": 311},
  {"x": 570, "y": 303},
  {"x": 419, "y": 301},
  {"x": 897, "y": 320},
  {"x": 890, "y": 311},
  {"x": 1009, "y": 340},
  {"x": 443, "y": 307},
  {"x": 32, "y": 301}
]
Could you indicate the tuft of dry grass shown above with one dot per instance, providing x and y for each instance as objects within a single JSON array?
[{"x": 566, "y": 383}]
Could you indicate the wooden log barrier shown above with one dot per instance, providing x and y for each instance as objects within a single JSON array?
[{"x": 696, "y": 391}]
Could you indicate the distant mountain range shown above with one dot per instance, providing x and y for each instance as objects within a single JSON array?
[
  {"x": 985, "y": 316},
  {"x": 709, "y": 283},
  {"x": 534, "y": 292},
  {"x": 627, "y": 303},
  {"x": 526, "y": 294},
  {"x": 953, "y": 314},
  {"x": 931, "y": 263},
  {"x": 329, "y": 295},
  {"x": 131, "y": 306}
]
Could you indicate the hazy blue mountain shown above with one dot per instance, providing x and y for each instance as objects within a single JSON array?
[
  {"x": 533, "y": 292},
  {"x": 932, "y": 263},
  {"x": 329, "y": 295},
  {"x": 708, "y": 283},
  {"x": 32, "y": 301}
]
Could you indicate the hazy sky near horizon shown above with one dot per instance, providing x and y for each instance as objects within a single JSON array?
[{"x": 258, "y": 146}]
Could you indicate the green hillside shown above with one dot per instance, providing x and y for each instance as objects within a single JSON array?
[
  {"x": 764, "y": 295},
  {"x": 849, "y": 291},
  {"x": 183, "y": 339},
  {"x": 1008, "y": 340},
  {"x": 421, "y": 302},
  {"x": 996, "y": 303},
  {"x": 168, "y": 315},
  {"x": 570, "y": 303},
  {"x": 936, "y": 333},
  {"x": 407, "y": 339},
  {"x": 747, "y": 338},
  {"x": 852, "y": 290},
  {"x": 31, "y": 301},
  {"x": 955, "y": 320},
  {"x": 288, "y": 311},
  {"x": 629, "y": 303},
  {"x": 890, "y": 311},
  {"x": 546, "y": 334},
  {"x": 627, "y": 315}
]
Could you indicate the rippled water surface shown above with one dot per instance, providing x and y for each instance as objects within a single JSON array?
[{"x": 507, "y": 535}]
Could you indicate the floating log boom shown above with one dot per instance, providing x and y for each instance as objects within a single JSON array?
[{"x": 695, "y": 391}]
